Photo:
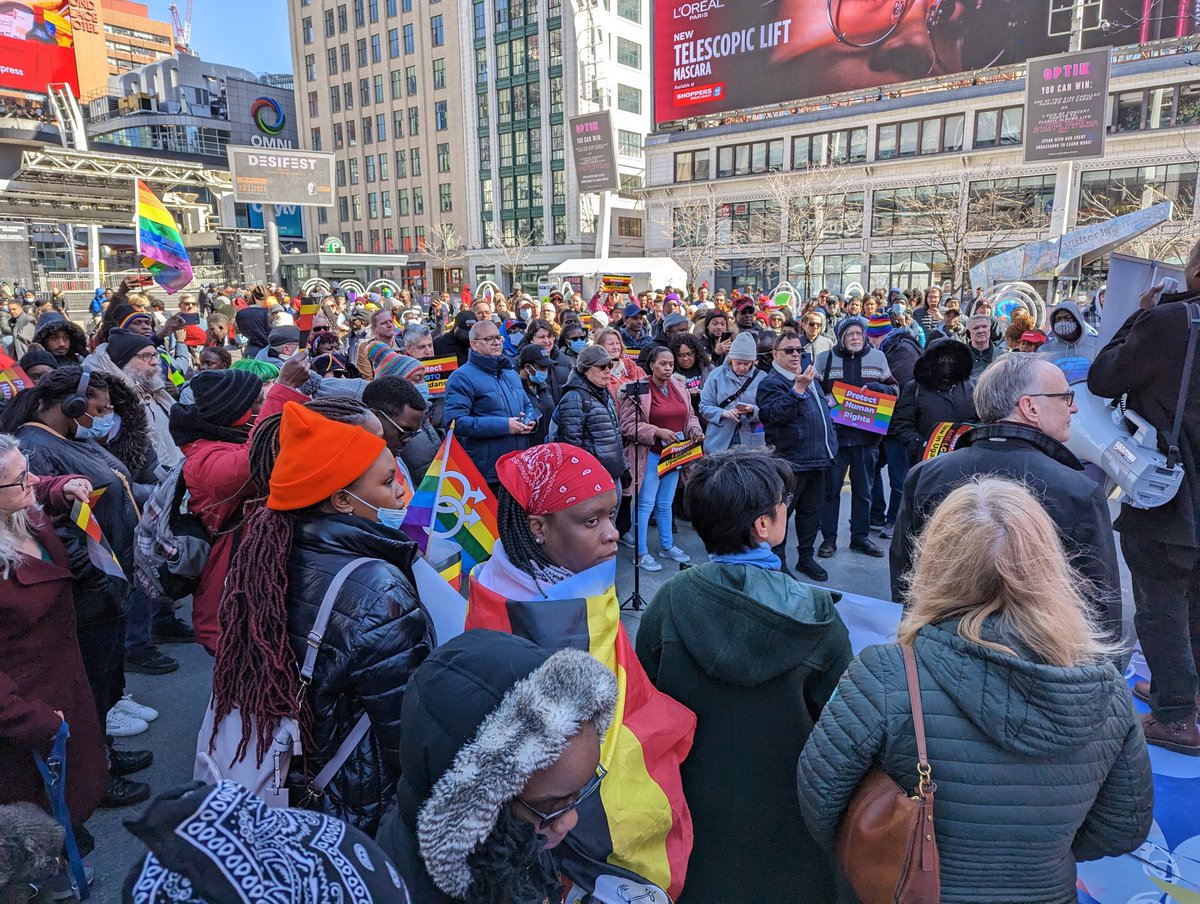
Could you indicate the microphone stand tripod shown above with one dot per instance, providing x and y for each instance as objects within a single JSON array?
[{"x": 631, "y": 392}]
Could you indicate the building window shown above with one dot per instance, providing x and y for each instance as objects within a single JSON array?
[
  {"x": 373, "y": 11},
  {"x": 372, "y": 205},
  {"x": 629, "y": 144},
  {"x": 397, "y": 83},
  {"x": 439, "y": 74},
  {"x": 331, "y": 59},
  {"x": 629, "y": 99},
  {"x": 342, "y": 21},
  {"x": 377, "y": 86},
  {"x": 310, "y": 67},
  {"x": 631, "y": 10},
  {"x": 750, "y": 222},
  {"x": 933, "y": 135},
  {"x": 360, "y": 18},
  {"x": 418, "y": 200},
  {"x": 690, "y": 226},
  {"x": 360, "y": 48},
  {"x": 443, "y": 156},
  {"x": 348, "y": 96},
  {"x": 437, "y": 32},
  {"x": 401, "y": 165},
  {"x": 912, "y": 210},
  {"x": 397, "y": 124},
  {"x": 330, "y": 28},
  {"x": 364, "y": 92},
  {"x": 409, "y": 42},
  {"x": 376, "y": 49},
  {"x": 339, "y": 140},
  {"x": 445, "y": 198},
  {"x": 479, "y": 19},
  {"x": 440, "y": 117},
  {"x": 414, "y": 122},
  {"x": 835, "y": 216},
  {"x": 335, "y": 99},
  {"x": 402, "y": 202},
  {"x": 629, "y": 53},
  {"x": 416, "y": 161},
  {"x": 1155, "y": 108},
  {"x": 1019, "y": 203},
  {"x": 354, "y": 177},
  {"x": 380, "y": 126},
  {"x": 410, "y": 80},
  {"x": 1104, "y": 194},
  {"x": 629, "y": 227},
  {"x": 692, "y": 166},
  {"x": 356, "y": 208},
  {"x": 313, "y": 109},
  {"x": 386, "y": 200},
  {"x": 307, "y": 29},
  {"x": 315, "y": 138},
  {"x": 393, "y": 43},
  {"x": 343, "y": 207},
  {"x": 755, "y": 157},
  {"x": 847, "y": 146},
  {"x": 997, "y": 128},
  {"x": 345, "y": 58},
  {"x": 340, "y": 168},
  {"x": 391, "y": 7},
  {"x": 351, "y": 135},
  {"x": 383, "y": 167}
]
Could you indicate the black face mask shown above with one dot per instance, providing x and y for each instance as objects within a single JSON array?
[{"x": 942, "y": 372}]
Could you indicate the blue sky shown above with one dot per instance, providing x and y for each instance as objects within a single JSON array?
[{"x": 252, "y": 34}]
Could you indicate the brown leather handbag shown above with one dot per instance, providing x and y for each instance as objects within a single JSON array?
[{"x": 887, "y": 846}]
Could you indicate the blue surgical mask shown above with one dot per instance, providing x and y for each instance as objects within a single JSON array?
[
  {"x": 391, "y": 518},
  {"x": 100, "y": 429},
  {"x": 539, "y": 377},
  {"x": 423, "y": 389},
  {"x": 526, "y": 314},
  {"x": 577, "y": 345}
]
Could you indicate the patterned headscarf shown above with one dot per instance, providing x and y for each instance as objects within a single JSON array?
[{"x": 552, "y": 477}]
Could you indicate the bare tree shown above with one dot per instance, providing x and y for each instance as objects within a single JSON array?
[
  {"x": 509, "y": 248},
  {"x": 446, "y": 249},
  {"x": 821, "y": 206},
  {"x": 689, "y": 218},
  {"x": 968, "y": 219}
]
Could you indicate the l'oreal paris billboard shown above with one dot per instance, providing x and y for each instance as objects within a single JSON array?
[
  {"x": 37, "y": 45},
  {"x": 716, "y": 56}
]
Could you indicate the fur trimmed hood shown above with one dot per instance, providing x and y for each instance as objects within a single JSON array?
[{"x": 481, "y": 715}]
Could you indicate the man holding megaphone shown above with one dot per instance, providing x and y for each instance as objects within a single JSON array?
[{"x": 1153, "y": 359}]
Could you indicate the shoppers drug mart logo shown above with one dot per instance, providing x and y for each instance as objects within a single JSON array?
[{"x": 268, "y": 115}]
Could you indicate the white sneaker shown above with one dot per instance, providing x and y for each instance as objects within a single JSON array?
[
  {"x": 676, "y": 554},
  {"x": 120, "y": 724},
  {"x": 627, "y": 540},
  {"x": 648, "y": 563},
  {"x": 138, "y": 710}
]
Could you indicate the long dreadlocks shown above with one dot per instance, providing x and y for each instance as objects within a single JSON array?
[{"x": 255, "y": 668}]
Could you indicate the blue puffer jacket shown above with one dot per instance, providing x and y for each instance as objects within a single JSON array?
[
  {"x": 797, "y": 426},
  {"x": 1036, "y": 766},
  {"x": 480, "y": 398}
]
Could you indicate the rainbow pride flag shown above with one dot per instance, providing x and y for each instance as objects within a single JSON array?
[
  {"x": 634, "y": 838},
  {"x": 454, "y": 503},
  {"x": 159, "y": 242}
]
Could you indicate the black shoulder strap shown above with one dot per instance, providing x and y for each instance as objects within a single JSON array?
[
  {"x": 1185, "y": 382},
  {"x": 741, "y": 389}
]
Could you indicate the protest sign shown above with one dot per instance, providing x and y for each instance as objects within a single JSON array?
[
  {"x": 944, "y": 439},
  {"x": 678, "y": 454},
  {"x": 437, "y": 372},
  {"x": 12, "y": 378},
  {"x": 861, "y": 408}
]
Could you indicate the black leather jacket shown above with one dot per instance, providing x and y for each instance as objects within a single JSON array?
[{"x": 377, "y": 635}]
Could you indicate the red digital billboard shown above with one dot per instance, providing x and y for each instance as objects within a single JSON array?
[
  {"x": 37, "y": 45},
  {"x": 718, "y": 56}
]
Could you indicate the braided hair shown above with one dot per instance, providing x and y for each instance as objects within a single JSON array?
[
  {"x": 255, "y": 668},
  {"x": 523, "y": 550}
]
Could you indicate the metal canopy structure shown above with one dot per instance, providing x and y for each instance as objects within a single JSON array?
[{"x": 90, "y": 188}]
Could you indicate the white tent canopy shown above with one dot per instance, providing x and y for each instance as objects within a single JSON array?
[{"x": 657, "y": 271}]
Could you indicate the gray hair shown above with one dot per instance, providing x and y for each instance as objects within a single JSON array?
[
  {"x": 474, "y": 334},
  {"x": 1006, "y": 379},
  {"x": 14, "y": 528},
  {"x": 415, "y": 333}
]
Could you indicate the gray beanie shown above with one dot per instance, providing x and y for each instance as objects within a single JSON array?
[{"x": 744, "y": 348}]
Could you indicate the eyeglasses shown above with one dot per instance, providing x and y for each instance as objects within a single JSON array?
[
  {"x": 790, "y": 350},
  {"x": 146, "y": 356},
  {"x": 1068, "y": 396},
  {"x": 548, "y": 819},
  {"x": 496, "y": 338},
  {"x": 22, "y": 481},
  {"x": 787, "y": 500},
  {"x": 405, "y": 432}
]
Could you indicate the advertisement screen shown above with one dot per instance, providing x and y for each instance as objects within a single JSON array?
[
  {"x": 1066, "y": 106},
  {"x": 276, "y": 176},
  {"x": 717, "y": 56},
  {"x": 595, "y": 155},
  {"x": 37, "y": 45}
]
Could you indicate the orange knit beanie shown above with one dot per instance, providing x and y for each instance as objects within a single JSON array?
[{"x": 317, "y": 457}]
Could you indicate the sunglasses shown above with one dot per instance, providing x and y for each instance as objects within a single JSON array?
[
  {"x": 790, "y": 350},
  {"x": 548, "y": 819},
  {"x": 609, "y": 366},
  {"x": 405, "y": 432}
]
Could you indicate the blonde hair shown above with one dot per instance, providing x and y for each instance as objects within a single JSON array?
[
  {"x": 15, "y": 527},
  {"x": 991, "y": 549}
]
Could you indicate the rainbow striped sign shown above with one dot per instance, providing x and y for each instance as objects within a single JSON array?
[{"x": 861, "y": 408}]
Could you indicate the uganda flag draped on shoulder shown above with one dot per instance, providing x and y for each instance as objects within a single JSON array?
[{"x": 638, "y": 829}]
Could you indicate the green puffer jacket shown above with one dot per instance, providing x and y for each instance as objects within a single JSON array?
[{"x": 1036, "y": 766}]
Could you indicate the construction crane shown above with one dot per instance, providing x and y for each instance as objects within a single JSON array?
[{"x": 182, "y": 30}]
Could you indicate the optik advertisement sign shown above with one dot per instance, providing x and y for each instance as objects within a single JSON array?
[
  {"x": 1066, "y": 106},
  {"x": 594, "y": 153}
]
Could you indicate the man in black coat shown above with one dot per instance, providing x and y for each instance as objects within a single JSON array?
[
  {"x": 902, "y": 351},
  {"x": 1145, "y": 358},
  {"x": 1025, "y": 407},
  {"x": 457, "y": 340}
]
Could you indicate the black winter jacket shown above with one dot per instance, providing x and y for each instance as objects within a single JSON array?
[
  {"x": 1036, "y": 766},
  {"x": 1074, "y": 502},
  {"x": 798, "y": 427},
  {"x": 929, "y": 398},
  {"x": 377, "y": 635},
  {"x": 756, "y": 655},
  {"x": 902, "y": 350},
  {"x": 586, "y": 417},
  {"x": 542, "y": 398}
]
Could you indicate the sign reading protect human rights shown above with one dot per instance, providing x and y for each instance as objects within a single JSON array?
[
  {"x": 862, "y": 408},
  {"x": 279, "y": 176}
]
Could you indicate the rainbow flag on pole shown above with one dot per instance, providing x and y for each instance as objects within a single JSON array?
[
  {"x": 634, "y": 838},
  {"x": 454, "y": 503},
  {"x": 159, "y": 242}
]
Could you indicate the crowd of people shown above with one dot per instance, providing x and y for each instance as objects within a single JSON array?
[{"x": 502, "y": 765}]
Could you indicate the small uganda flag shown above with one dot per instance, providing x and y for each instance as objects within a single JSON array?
[
  {"x": 159, "y": 242},
  {"x": 99, "y": 552},
  {"x": 309, "y": 308}
]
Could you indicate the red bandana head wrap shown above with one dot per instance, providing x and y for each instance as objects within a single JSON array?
[{"x": 552, "y": 477}]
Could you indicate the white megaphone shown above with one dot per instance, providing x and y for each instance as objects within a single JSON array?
[{"x": 1100, "y": 434}]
